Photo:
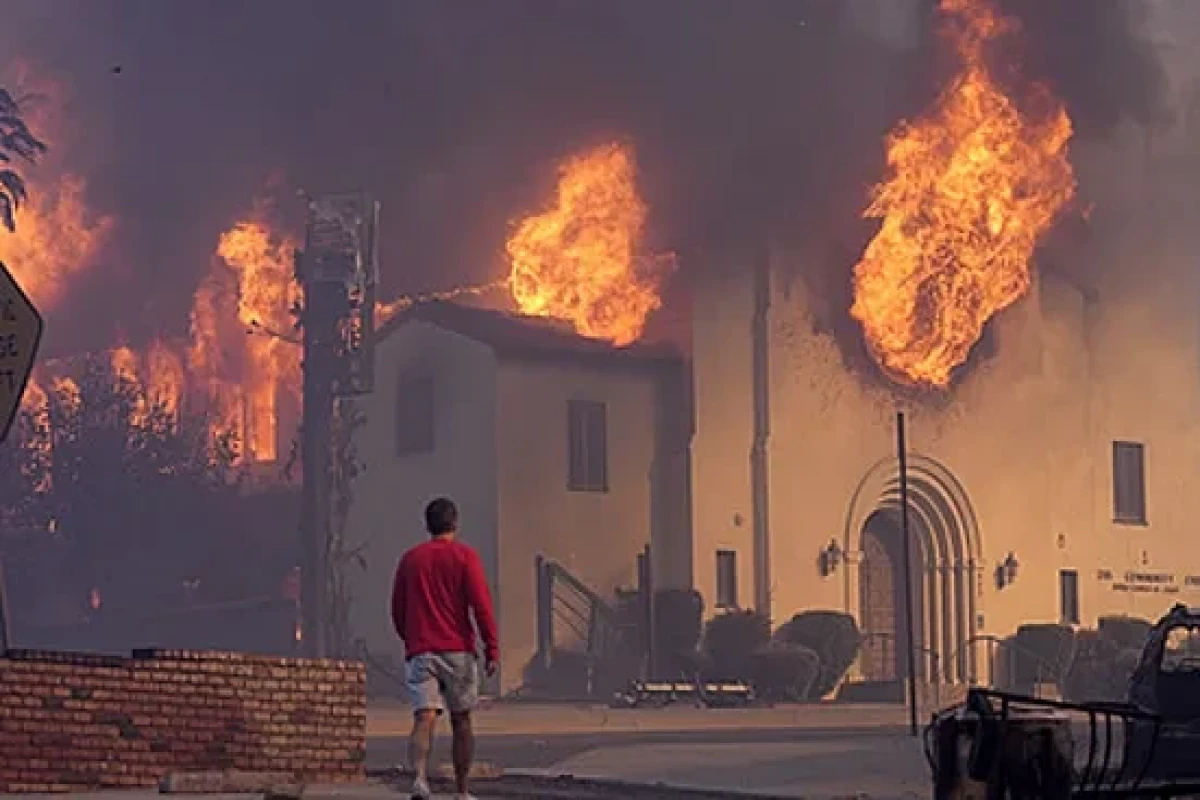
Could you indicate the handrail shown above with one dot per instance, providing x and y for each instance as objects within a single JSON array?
[
  {"x": 1044, "y": 668},
  {"x": 597, "y": 625},
  {"x": 559, "y": 572}
]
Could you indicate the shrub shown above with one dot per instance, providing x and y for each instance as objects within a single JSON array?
[
  {"x": 1126, "y": 662},
  {"x": 687, "y": 665},
  {"x": 781, "y": 671},
  {"x": 832, "y": 635},
  {"x": 730, "y": 640},
  {"x": 1127, "y": 633},
  {"x": 1093, "y": 676},
  {"x": 567, "y": 674},
  {"x": 1042, "y": 652},
  {"x": 678, "y": 622}
]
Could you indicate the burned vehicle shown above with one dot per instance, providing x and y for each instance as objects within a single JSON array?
[{"x": 1003, "y": 745}]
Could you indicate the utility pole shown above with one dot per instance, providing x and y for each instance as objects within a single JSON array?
[
  {"x": 910, "y": 641},
  {"x": 337, "y": 271}
]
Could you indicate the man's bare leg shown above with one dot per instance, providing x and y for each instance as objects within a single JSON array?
[
  {"x": 420, "y": 742},
  {"x": 463, "y": 749}
]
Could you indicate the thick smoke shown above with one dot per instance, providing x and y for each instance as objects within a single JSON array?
[
  {"x": 751, "y": 116},
  {"x": 1096, "y": 56}
]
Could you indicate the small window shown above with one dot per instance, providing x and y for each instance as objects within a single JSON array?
[
  {"x": 415, "y": 412},
  {"x": 1129, "y": 483},
  {"x": 727, "y": 596},
  {"x": 587, "y": 446},
  {"x": 1068, "y": 596}
]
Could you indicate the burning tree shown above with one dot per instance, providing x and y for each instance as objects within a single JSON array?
[
  {"x": 143, "y": 499},
  {"x": 15, "y": 140}
]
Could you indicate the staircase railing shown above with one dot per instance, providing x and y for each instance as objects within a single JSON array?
[
  {"x": 565, "y": 602},
  {"x": 1044, "y": 670}
]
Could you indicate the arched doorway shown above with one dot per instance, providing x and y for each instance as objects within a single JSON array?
[
  {"x": 881, "y": 587},
  {"x": 945, "y": 568}
]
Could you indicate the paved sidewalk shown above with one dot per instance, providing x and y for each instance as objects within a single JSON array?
[{"x": 395, "y": 719}]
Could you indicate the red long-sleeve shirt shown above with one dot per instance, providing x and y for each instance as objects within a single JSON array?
[{"x": 439, "y": 583}]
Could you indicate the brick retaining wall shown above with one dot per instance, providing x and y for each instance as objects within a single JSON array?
[{"x": 71, "y": 721}]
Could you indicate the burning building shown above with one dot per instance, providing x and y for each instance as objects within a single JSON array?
[{"x": 1051, "y": 391}]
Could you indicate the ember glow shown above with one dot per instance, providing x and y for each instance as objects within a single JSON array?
[
  {"x": 579, "y": 260},
  {"x": 972, "y": 186},
  {"x": 56, "y": 238}
]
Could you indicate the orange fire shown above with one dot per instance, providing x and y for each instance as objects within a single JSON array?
[
  {"x": 579, "y": 261},
  {"x": 238, "y": 379},
  {"x": 56, "y": 239},
  {"x": 972, "y": 187},
  {"x": 157, "y": 377},
  {"x": 241, "y": 315},
  {"x": 57, "y": 236}
]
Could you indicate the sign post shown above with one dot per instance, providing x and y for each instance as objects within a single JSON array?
[{"x": 20, "y": 335}]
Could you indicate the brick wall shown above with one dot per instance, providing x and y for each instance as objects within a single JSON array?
[{"x": 70, "y": 721}]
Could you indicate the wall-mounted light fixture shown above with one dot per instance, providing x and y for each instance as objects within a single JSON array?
[
  {"x": 1006, "y": 571},
  {"x": 830, "y": 558}
]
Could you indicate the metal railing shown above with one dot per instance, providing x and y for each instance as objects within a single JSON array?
[
  {"x": 930, "y": 666},
  {"x": 564, "y": 601},
  {"x": 1045, "y": 671}
]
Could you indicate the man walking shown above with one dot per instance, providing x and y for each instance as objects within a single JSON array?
[{"x": 439, "y": 585}]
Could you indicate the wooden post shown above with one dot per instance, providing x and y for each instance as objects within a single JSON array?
[{"x": 5, "y": 635}]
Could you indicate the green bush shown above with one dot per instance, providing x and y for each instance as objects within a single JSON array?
[
  {"x": 1127, "y": 633},
  {"x": 784, "y": 672},
  {"x": 731, "y": 639},
  {"x": 1042, "y": 652},
  {"x": 832, "y": 635}
]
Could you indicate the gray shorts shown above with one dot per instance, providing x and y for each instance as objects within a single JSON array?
[{"x": 442, "y": 681}]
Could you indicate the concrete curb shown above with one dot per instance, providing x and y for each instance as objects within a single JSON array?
[{"x": 518, "y": 783}]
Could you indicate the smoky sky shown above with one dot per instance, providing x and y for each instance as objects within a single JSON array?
[{"x": 749, "y": 116}]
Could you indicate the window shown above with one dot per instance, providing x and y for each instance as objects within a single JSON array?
[
  {"x": 1129, "y": 483},
  {"x": 727, "y": 579},
  {"x": 1068, "y": 596},
  {"x": 415, "y": 412},
  {"x": 587, "y": 446}
]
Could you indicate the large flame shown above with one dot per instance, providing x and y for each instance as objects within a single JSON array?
[
  {"x": 579, "y": 261},
  {"x": 237, "y": 377},
  {"x": 56, "y": 239},
  {"x": 241, "y": 318},
  {"x": 972, "y": 187},
  {"x": 57, "y": 236}
]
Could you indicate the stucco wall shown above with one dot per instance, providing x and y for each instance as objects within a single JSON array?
[
  {"x": 391, "y": 494},
  {"x": 597, "y": 536},
  {"x": 721, "y": 519}
]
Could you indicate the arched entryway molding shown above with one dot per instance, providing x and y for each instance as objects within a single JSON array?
[{"x": 947, "y": 555}]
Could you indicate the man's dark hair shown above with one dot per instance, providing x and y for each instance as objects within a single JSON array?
[{"x": 441, "y": 516}]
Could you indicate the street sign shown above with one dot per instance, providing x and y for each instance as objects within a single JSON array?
[{"x": 20, "y": 334}]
